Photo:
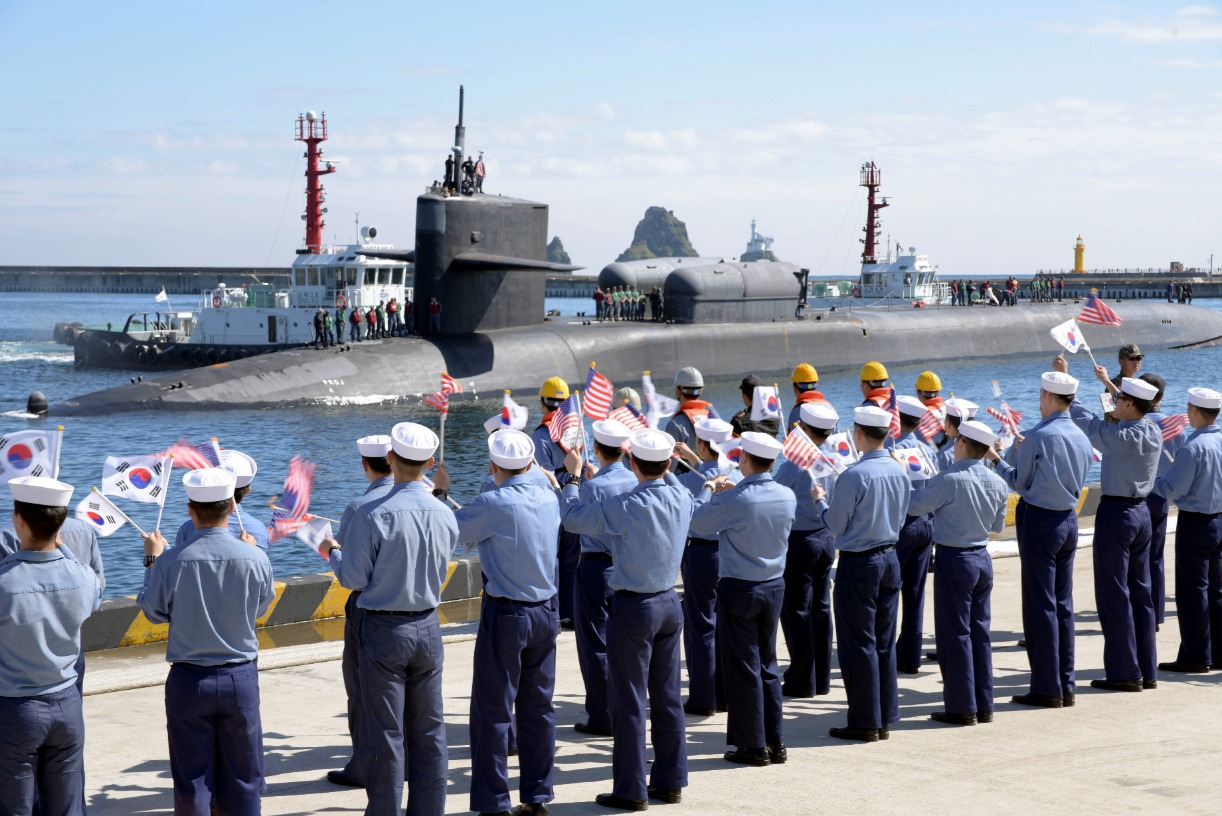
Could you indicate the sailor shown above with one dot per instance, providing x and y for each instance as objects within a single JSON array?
[
  {"x": 1194, "y": 483},
  {"x": 1047, "y": 467},
  {"x": 1129, "y": 357},
  {"x": 515, "y": 529},
  {"x": 752, "y": 521},
  {"x": 929, "y": 392},
  {"x": 45, "y": 596},
  {"x": 480, "y": 172},
  {"x": 968, "y": 501},
  {"x": 243, "y": 469},
  {"x": 957, "y": 411},
  {"x": 689, "y": 383},
  {"x": 914, "y": 549},
  {"x": 517, "y": 422},
  {"x": 341, "y": 317},
  {"x": 210, "y": 589},
  {"x": 550, "y": 456},
  {"x": 806, "y": 614},
  {"x": 320, "y": 333},
  {"x": 450, "y": 178},
  {"x": 468, "y": 172},
  {"x": 434, "y": 316},
  {"x": 874, "y": 390},
  {"x": 373, "y": 451},
  {"x": 742, "y": 421},
  {"x": 865, "y": 514},
  {"x": 1158, "y": 504},
  {"x": 594, "y": 593},
  {"x": 394, "y": 549},
  {"x": 646, "y": 528},
  {"x": 700, "y": 569},
  {"x": 1131, "y": 448},
  {"x": 805, "y": 381}
]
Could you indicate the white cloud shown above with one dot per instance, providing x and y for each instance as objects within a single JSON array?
[{"x": 125, "y": 165}]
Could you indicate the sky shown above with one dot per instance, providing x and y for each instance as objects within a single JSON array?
[{"x": 156, "y": 133}]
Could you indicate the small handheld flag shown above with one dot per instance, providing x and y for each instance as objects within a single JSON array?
[
  {"x": 929, "y": 426},
  {"x": 800, "y": 450},
  {"x": 656, "y": 405},
  {"x": 765, "y": 404},
  {"x": 893, "y": 431},
  {"x": 28, "y": 453},
  {"x": 139, "y": 478},
  {"x": 1069, "y": 336},
  {"x": 1097, "y": 312},
  {"x": 916, "y": 462},
  {"x": 599, "y": 390},
  {"x": 841, "y": 446},
  {"x": 313, "y": 532},
  {"x": 565, "y": 425},
  {"x": 1173, "y": 426},
  {"x": 512, "y": 413},
  {"x": 194, "y": 457},
  {"x": 100, "y": 514},
  {"x": 294, "y": 503},
  {"x": 449, "y": 385},
  {"x": 630, "y": 417}
]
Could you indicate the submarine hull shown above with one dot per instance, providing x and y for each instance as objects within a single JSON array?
[{"x": 519, "y": 358}]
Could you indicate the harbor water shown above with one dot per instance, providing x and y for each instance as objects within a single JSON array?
[{"x": 30, "y": 360}]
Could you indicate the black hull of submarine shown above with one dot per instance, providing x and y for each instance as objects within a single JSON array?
[{"x": 519, "y": 358}]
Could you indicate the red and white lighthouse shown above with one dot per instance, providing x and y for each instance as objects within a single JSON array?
[{"x": 312, "y": 129}]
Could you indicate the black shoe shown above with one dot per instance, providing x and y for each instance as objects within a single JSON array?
[
  {"x": 341, "y": 778},
  {"x": 671, "y": 796},
  {"x": 619, "y": 802},
  {"x": 984, "y": 716},
  {"x": 1040, "y": 700},
  {"x": 932, "y": 656},
  {"x": 748, "y": 756},
  {"x": 1022, "y": 643},
  {"x": 856, "y": 734},
  {"x": 696, "y": 711},
  {"x": 1185, "y": 668},
  {"x": 566, "y": 623},
  {"x": 1067, "y": 699},
  {"x": 950, "y": 718},
  {"x": 1149, "y": 684},
  {"x": 1116, "y": 685},
  {"x": 530, "y": 809},
  {"x": 586, "y": 728},
  {"x": 512, "y": 752},
  {"x": 777, "y": 754},
  {"x": 884, "y": 733},
  {"x": 907, "y": 670}
]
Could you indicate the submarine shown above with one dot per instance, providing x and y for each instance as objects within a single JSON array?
[{"x": 484, "y": 258}]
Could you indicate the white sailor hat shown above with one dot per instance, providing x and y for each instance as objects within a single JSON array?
[
  {"x": 1205, "y": 398},
  {"x": 652, "y": 446},
  {"x": 978, "y": 432},
  {"x": 1058, "y": 382},
  {"x": 240, "y": 465},
  {"x": 511, "y": 449},
  {"x": 689, "y": 377},
  {"x": 413, "y": 441},
  {"x": 209, "y": 484},
  {"x": 716, "y": 431},
  {"x": 964, "y": 409},
  {"x": 40, "y": 490},
  {"x": 871, "y": 416},
  {"x": 911, "y": 406},
  {"x": 1138, "y": 388},
  {"x": 375, "y": 446},
  {"x": 819, "y": 415},
  {"x": 761, "y": 445},
  {"x": 611, "y": 433}
]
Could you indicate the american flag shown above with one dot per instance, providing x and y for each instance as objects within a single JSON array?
[
  {"x": 598, "y": 395},
  {"x": 294, "y": 503},
  {"x": 800, "y": 450},
  {"x": 892, "y": 406},
  {"x": 1173, "y": 426},
  {"x": 630, "y": 417},
  {"x": 194, "y": 457},
  {"x": 929, "y": 426},
  {"x": 440, "y": 401},
  {"x": 449, "y": 385},
  {"x": 1006, "y": 416},
  {"x": 564, "y": 419},
  {"x": 1097, "y": 312}
]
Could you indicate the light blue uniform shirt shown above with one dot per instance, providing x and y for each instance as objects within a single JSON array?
[
  {"x": 968, "y": 501},
  {"x": 945, "y": 455},
  {"x": 534, "y": 475},
  {"x": 77, "y": 536},
  {"x": 1194, "y": 480},
  {"x": 547, "y": 453},
  {"x": 516, "y": 531},
  {"x": 612, "y": 480},
  {"x": 396, "y": 549},
  {"x": 645, "y": 527},
  {"x": 807, "y": 517},
  {"x": 373, "y": 491},
  {"x": 44, "y": 599},
  {"x": 868, "y": 508},
  {"x": 210, "y": 590},
  {"x": 1131, "y": 450},
  {"x": 751, "y": 523},
  {"x": 1049, "y": 468},
  {"x": 253, "y": 526},
  {"x": 1171, "y": 448}
]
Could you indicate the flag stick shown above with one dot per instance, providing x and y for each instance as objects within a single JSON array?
[
  {"x": 581, "y": 417},
  {"x": 1170, "y": 458},
  {"x": 777, "y": 389},
  {"x": 115, "y": 507},
  {"x": 165, "y": 490},
  {"x": 312, "y": 516},
  {"x": 237, "y": 511},
  {"x": 441, "y": 447},
  {"x": 59, "y": 445}
]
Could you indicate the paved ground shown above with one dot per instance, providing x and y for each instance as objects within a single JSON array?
[{"x": 1154, "y": 752}]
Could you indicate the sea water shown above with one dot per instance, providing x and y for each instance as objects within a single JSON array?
[{"x": 30, "y": 360}]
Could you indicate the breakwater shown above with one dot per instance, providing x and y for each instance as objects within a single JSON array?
[{"x": 118, "y": 280}]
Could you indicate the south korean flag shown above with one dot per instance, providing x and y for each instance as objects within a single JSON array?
[
  {"x": 27, "y": 453},
  {"x": 139, "y": 478},
  {"x": 101, "y": 516}
]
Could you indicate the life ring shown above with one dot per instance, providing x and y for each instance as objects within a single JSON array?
[
  {"x": 340, "y": 301},
  {"x": 216, "y": 301},
  {"x": 856, "y": 291}
]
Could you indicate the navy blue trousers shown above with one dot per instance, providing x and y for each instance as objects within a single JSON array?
[
  {"x": 1158, "y": 562},
  {"x": 1122, "y": 591},
  {"x": 515, "y": 652},
  {"x": 867, "y": 599},
  {"x": 590, "y": 624},
  {"x": 1047, "y": 542},
  {"x": 699, "y": 567},
  {"x": 1198, "y": 587},
  {"x": 42, "y": 746},
  {"x": 914, "y": 548},
  {"x": 212, "y": 719},
  {"x": 567, "y": 553},
  {"x": 403, "y": 724},
  {"x": 806, "y": 612},
  {"x": 963, "y": 588},
  {"x": 643, "y": 634},
  {"x": 748, "y": 612},
  {"x": 351, "y": 668}
]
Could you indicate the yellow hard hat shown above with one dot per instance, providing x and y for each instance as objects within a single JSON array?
[
  {"x": 804, "y": 373},
  {"x": 873, "y": 371},
  {"x": 554, "y": 388},
  {"x": 928, "y": 381}
]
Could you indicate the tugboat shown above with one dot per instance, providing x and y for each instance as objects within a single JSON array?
[{"x": 232, "y": 323}]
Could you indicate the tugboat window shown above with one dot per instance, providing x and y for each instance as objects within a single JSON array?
[
  {"x": 300, "y": 277},
  {"x": 397, "y": 277},
  {"x": 313, "y": 277},
  {"x": 370, "y": 278}
]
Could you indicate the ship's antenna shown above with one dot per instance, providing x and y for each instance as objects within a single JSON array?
[
  {"x": 357, "y": 238},
  {"x": 871, "y": 179},
  {"x": 312, "y": 129},
  {"x": 460, "y": 138}
]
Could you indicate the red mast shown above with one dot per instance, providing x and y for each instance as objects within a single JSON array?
[
  {"x": 871, "y": 178},
  {"x": 312, "y": 130}
]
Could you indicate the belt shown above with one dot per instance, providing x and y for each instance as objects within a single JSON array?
[
  {"x": 1202, "y": 515},
  {"x": 629, "y": 593},
  {"x": 1125, "y": 499},
  {"x": 962, "y": 549},
  {"x": 401, "y": 613},
  {"x": 1031, "y": 506},
  {"x": 595, "y": 556},
  {"x": 703, "y": 542},
  {"x": 516, "y": 603},
  {"x": 182, "y": 664},
  {"x": 871, "y": 551}
]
